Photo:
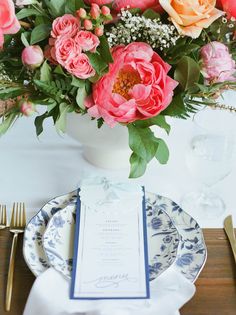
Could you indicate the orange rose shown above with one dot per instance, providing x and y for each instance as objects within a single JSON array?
[{"x": 191, "y": 16}]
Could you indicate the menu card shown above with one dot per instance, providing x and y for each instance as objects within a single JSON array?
[{"x": 110, "y": 256}]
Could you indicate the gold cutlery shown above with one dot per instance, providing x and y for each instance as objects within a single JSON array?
[
  {"x": 3, "y": 217},
  {"x": 229, "y": 229},
  {"x": 17, "y": 226}
]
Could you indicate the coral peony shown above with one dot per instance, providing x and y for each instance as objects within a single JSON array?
[
  {"x": 99, "y": 2},
  {"x": 136, "y": 87},
  {"x": 191, "y": 16},
  {"x": 141, "y": 4},
  {"x": 32, "y": 56},
  {"x": 8, "y": 21},
  {"x": 229, "y": 6},
  {"x": 65, "y": 25},
  {"x": 80, "y": 66},
  {"x": 218, "y": 65}
]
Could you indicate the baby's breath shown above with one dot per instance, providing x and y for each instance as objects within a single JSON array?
[{"x": 133, "y": 28}]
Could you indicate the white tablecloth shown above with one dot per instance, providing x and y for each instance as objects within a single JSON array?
[{"x": 35, "y": 170}]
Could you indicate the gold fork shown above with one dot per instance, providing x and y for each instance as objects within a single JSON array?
[
  {"x": 3, "y": 217},
  {"x": 17, "y": 226}
]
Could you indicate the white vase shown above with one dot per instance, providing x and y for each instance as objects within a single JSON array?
[{"x": 105, "y": 147}]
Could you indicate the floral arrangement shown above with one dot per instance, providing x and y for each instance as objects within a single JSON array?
[{"x": 119, "y": 61}]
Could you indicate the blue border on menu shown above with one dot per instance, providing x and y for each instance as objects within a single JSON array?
[{"x": 75, "y": 256}]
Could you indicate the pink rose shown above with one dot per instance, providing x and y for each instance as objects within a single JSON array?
[
  {"x": 87, "y": 41},
  {"x": 65, "y": 25},
  {"x": 136, "y": 87},
  {"x": 32, "y": 56},
  {"x": 218, "y": 65},
  {"x": 141, "y": 4},
  {"x": 65, "y": 48},
  {"x": 8, "y": 21},
  {"x": 80, "y": 67}
]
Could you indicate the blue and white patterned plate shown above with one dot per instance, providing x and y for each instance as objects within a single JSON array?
[
  {"x": 163, "y": 240},
  {"x": 32, "y": 248},
  {"x": 192, "y": 252}
]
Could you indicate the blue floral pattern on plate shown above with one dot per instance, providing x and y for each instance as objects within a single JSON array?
[
  {"x": 192, "y": 250},
  {"x": 32, "y": 248},
  {"x": 163, "y": 241}
]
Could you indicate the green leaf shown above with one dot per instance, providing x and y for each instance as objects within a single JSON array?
[
  {"x": 78, "y": 82},
  {"x": 100, "y": 122},
  {"x": 73, "y": 5},
  {"x": 38, "y": 122},
  {"x": 59, "y": 70},
  {"x": 27, "y": 12},
  {"x": 187, "y": 72},
  {"x": 24, "y": 39},
  {"x": 40, "y": 33},
  {"x": 56, "y": 7},
  {"x": 162, "y": 153},
  {"x": 177, "y": 108},
  {"x": 11, "y": 92},
  {"x": 104, "y": 50},
  {"x": 46, "y": 88},
  {"x": 159, "y": 121},
  {"x": 81, "y": 94},
  {"x": 151, "y": 14},
  {"x": 142, "y": 142},
  {"x": 61, "y": 119},
  {"x": 45, "y": 72},
  {"x": 138, "y": 166},
  {"x": 98, "y": 63},
  {"x": 8, "y": 122}
]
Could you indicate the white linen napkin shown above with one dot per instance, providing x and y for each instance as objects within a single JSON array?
[{"x": 50, "y": 296}]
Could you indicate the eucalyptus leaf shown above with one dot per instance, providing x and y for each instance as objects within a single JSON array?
[
  {"x": 78, "y": 82},
  {"x": 72, "y": 5},
  {"x": 151, "y": 14},
  {"x": 104, "y": 50},
  {"x": 98, "y": 63}
]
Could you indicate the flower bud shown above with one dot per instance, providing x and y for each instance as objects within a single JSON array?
[
  {"x": 27, "y": 108},
  {"x": 81, "y": 13},
  {"x": 32, "y": 57},
  {"x": 95, "y": 11},
  {"x": 88, "y": 25},
  {"x": 99, "y": 31},
  {"x": 106, "y": 11}
]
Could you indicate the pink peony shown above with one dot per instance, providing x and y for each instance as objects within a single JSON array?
[
  {"x": 80, "y": 67},
  {"x": 32, "y": 56},
  {"x": 218, "y": 65},
  {"x": 136, "y": 87},
  {"x": 87, "y": 41},
  {"x": 65, "y": 25},
  {"x": 65, "y": 48},
  {"x": 8, "y": 21}
]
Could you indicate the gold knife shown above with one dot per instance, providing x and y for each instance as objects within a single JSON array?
[{"x": 229, "y": 229}]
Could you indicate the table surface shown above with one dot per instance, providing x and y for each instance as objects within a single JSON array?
[{"x": 216, "y": 286}]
